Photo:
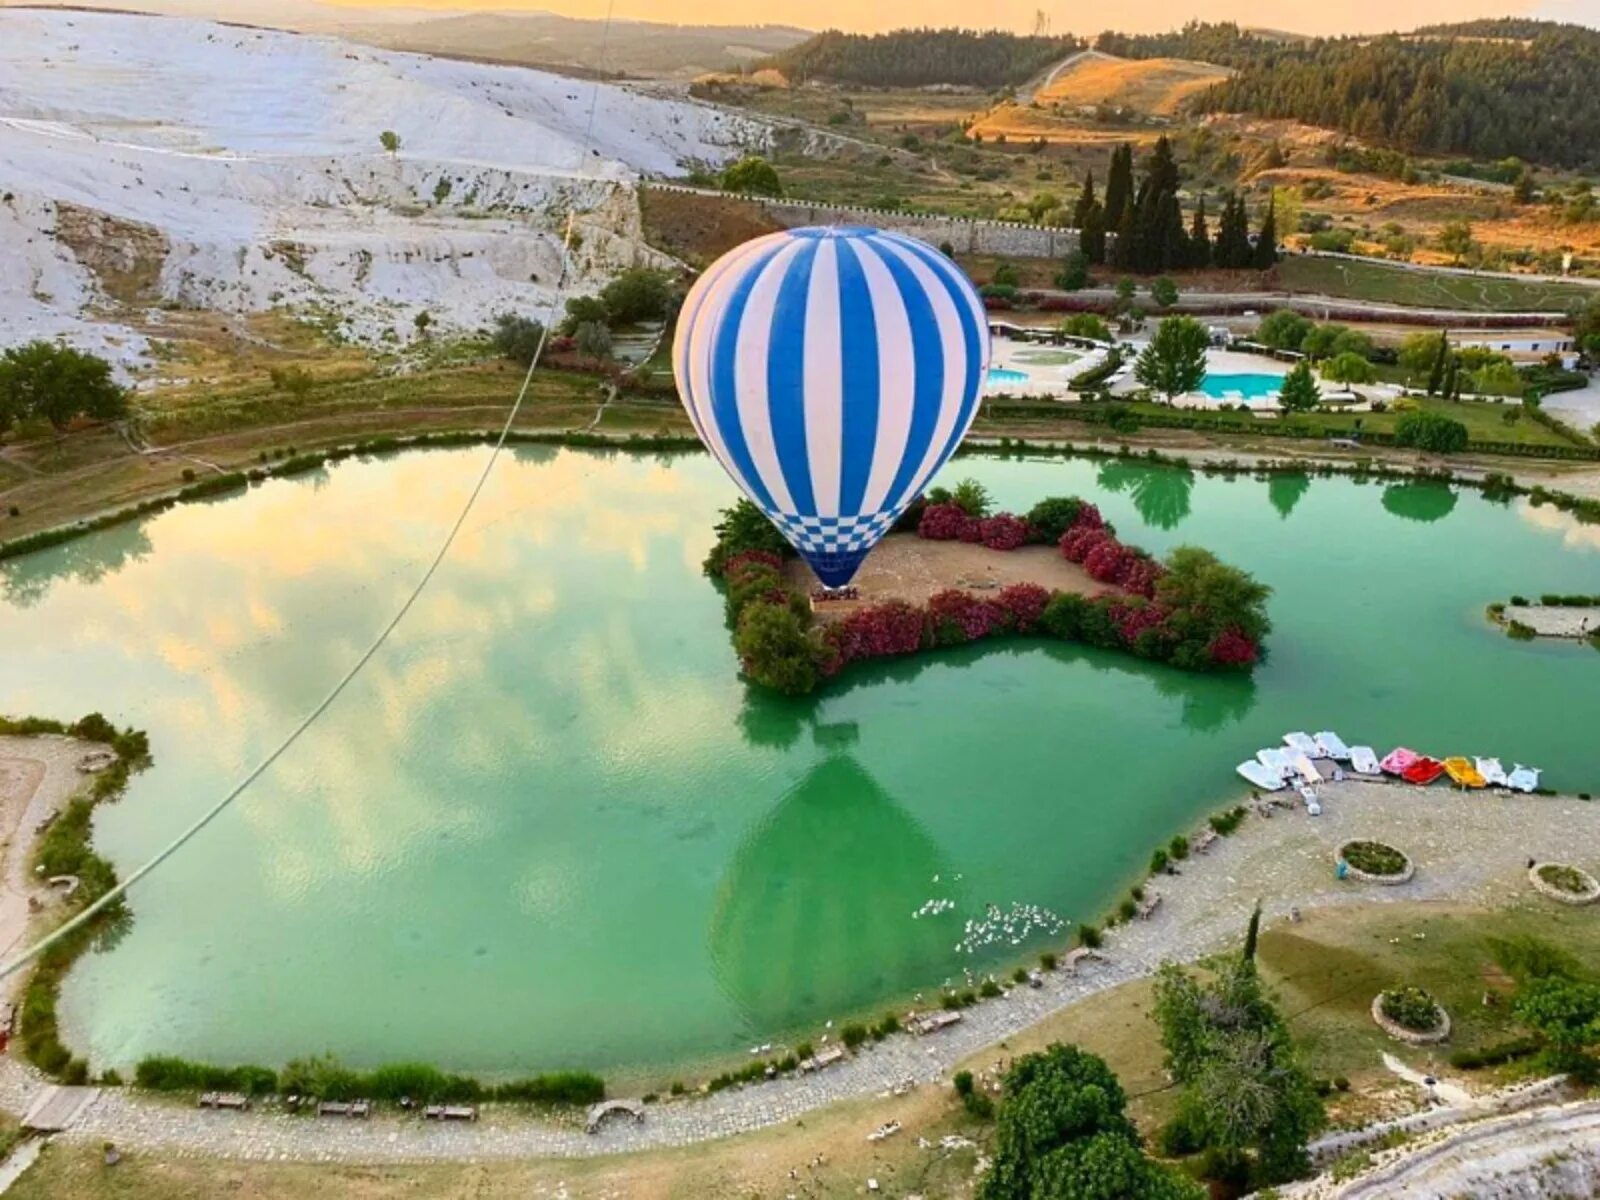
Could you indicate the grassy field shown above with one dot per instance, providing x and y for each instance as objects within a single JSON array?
[
  {"x": 1394, "y": 285},
  {"x": 1323, "y": 973}
]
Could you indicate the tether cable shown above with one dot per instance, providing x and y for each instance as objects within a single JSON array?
[{"x": 557, "y": 297}]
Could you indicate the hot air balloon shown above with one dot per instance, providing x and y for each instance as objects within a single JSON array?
[{"x": 832, "y": 371}]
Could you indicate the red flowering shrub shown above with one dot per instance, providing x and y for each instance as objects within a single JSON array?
[
  {"x": 1004, "y": 531},
  {"x": 881, "y": 631},
  {"x": 1135, "y": 617},
  {"x": 1079, "y": 541},
  {"x": 948, "y": 523},
  {"x": 1024, "y": 604},
  {"x": 740, "y": 564},
  {"x": 1109, "y": 561},
  {"x": 972, "y": 531},
  {"x": 1088, "y": 518},
  {"x": 1230, "y": 648},
  {"x": 955, "y": 617},
  {"x": 1142, "y": 575}
]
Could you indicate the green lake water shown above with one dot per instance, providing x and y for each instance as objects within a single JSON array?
[{"x": 550, "y": 827}]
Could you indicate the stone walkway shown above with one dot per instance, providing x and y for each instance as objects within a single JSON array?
[
  {"x": 1556, "y": 620},
  {"x": 1467, "y": 847}
]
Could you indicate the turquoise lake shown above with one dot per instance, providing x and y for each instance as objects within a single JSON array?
[{"x": 550, "y": 826}]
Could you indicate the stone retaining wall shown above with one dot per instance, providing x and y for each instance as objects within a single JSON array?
[{"x": 965, "y": 235}]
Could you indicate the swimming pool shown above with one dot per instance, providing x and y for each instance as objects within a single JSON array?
[
  {"x": 1001, "y": 376},
  {"x": 1247, "y": 386}
]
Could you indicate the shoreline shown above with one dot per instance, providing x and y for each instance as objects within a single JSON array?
[
  {"x": 1548, "y": 479},
  {"x": 1470, "y": 849}
]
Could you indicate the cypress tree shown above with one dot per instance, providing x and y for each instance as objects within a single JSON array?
[
  {"x": 1126, "y": 252},
  {"x": 1171, "y": 244},
  {"x": 1119, "y": 185},
  {"x": 1266, "y": 249},
  {"x": 1252, "y": 934},
  {"x": 1199, "y": 238},
  {"x": 1090, "y": 220},
  {"x": 1436, "y": 372}
]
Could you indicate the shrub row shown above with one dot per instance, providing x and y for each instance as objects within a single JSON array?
[
  {"x": 325, "y": 1078},
  {"x": 1495, "y": 1055}
]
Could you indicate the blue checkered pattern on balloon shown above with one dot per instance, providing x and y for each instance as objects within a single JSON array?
[{"x": 832, "y": 372}]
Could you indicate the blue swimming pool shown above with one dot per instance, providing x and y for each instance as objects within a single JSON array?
[
  {"x": 1246, "y": 386},
  {"x": 1000, "y": 376}
]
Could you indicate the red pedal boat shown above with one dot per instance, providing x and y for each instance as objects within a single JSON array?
[{"x": 1424, "y": 771}]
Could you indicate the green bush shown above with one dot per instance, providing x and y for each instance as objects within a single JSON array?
[
  {"x": 989, "y": 989},
  {"x": 963, "y": 1082},
  {"x": 1411, "y": 1008},
  {"x": 1432, "y": 432},
  {"x": 1158, "y": 861},
  {"x": 853, "y": 1034},
  {"x": 1090, "y": 936},
  {"x": 1178, "y": 847},
  {"x": 1227, "y": 822},
  {"x": 1047, "y": 960},
  {"x": 1563, "y": 878},
  {"x": 1374, "y": 858}
]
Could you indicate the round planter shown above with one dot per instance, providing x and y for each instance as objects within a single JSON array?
[
  {"x": 1361, "y": 876},
  {"x": 1401, "y": 1034},
  {"x": 1589, "y": 895}
]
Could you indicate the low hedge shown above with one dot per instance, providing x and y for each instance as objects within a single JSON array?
[
  {"x": 1497, "y": 1054},
  {"x": 325, "y": 1078}
]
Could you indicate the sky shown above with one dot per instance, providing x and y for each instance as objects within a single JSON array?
[
  {"x": 1301, "y": 16},
  {"x": 1297, "y": 16}
]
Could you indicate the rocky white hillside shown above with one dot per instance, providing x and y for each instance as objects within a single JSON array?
[{"x": 152, "y": 163}]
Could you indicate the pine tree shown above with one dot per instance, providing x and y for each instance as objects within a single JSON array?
[
  {"x": 1199, "y": 238},
  {"x": 1299, "y": 392},
  {"x": 1266, "y": 249}
]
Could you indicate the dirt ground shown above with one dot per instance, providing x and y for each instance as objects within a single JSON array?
[{"x": 906, "y": 567}]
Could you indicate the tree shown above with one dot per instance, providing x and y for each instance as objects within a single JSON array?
[
  {"x": 752, "y": 176},
  {"x": 1245, "y": 1096},
  {"x": 1439, "y": 366},
  {"x": 1299, "y": 392},
  {"x": 1283, "y": 329},
  {"x": 581, "y": 310},
  {"x": 1218, "y": 595},
  {"x": 1074, "y": 274},
  {"x": 1062, "y": 1133},
  {"x": 1266, "y": 248},
  {"x": 1164, "y": 292},
  {"x": 972, "y": 498},
  {"x": 1523, "y": 190},
  {"x": 1175, "y": 360},
  {"x": 1084, "y": 325},
  {"x": 423, "y": 322},
  {"x": 1348, "y": 367},
  {"x": 57, "y": 383},
  {"x": 1418, "y": 352},
  {"x": 1325, "y": 341},
  {"x": 775, "y": 648},
  {"x": 1119, "y": 186},
  {"x": 593, "y": 340},
  {"x": 390, "y": 141},
  {"x": 1431, "y": 431},
  {"x": 1456, "y": 240},
  {"x": 517, "y": 338},
  {"x": 1006, "y": 276},
  {"x": 638, "y": 294},
  {"x": 744, "y": 527},
  {"x": 1199, "y": 238},
  {"x": 1564, "y": 1012},
  {"x": 1090, "y": 221}
]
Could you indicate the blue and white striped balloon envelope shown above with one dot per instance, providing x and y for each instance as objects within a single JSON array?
[{"x": 832, "y": 371}]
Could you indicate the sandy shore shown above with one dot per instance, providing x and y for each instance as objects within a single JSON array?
[
  {"x": 1469, "y": 848},
  {"x": 37, "y": 775},
  {"x": 906, "y": 567},
  {"x": 1555, "y": 620}
]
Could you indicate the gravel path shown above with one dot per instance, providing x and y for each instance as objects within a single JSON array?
[{"x": 1467, "y": 848}]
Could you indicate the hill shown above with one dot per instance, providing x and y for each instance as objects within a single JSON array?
[
  {"x": 634, "y": 48},
  {"x": 1154, "y": 85},
  {"x": 923, "y": 58},
  {"x": 1488, "y": 89},
  {"x": 153, "y": 165}
]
